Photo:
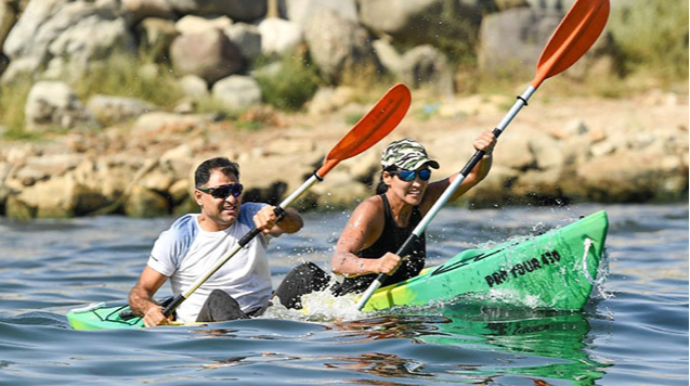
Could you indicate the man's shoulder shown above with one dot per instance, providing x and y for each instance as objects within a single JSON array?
[
  {"x": 183, "y": 228},
  {"x": 249, "y": 209}
]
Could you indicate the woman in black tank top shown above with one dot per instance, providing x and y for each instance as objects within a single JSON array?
[{"x": 380, "y": 225}]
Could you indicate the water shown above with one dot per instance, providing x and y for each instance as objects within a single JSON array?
[{"x": 634, "y": 331}]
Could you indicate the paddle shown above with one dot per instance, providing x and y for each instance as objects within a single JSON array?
[
  {"x": 376, "y": 124},
  {"x": 576, "y": 33}
]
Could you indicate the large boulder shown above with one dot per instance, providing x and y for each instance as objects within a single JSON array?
[
  {"x": 279, "y": 36},
  {"x": 139, "y": 10},
  {"x": 209, "y": 55},
  {"x": 299, "y": 11},
  {"x": 427, "y": 66},
  {"x": 339, "y": 46},
  {"x": 53, "y": 104},
  {"x": 7, "y": 19},
  {"x": 241, "y": 10},
  {"x": 110, "y": 109},
  {"x": 246, "y": 37},
  {"x": 64, "y": 37},
  {"x": 192, "y": 24},
  {"x": 237, "y": 93}
]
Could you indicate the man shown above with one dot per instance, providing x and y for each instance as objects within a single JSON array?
[{"x": 195, "y": 242}]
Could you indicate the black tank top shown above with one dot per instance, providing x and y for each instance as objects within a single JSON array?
[{"x": 391, "y": 239}]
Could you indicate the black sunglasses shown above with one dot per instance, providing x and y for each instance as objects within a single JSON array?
[
  {"x": 223, "y": 191},
  {"x": 410, "y": 175}
]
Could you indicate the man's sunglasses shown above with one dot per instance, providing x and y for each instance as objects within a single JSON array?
[
  {"x": 410, "y": 175},
  {"x": 223, "y": 191}
]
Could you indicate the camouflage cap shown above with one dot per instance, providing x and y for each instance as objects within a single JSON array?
[{"x": 406, "y": 154}]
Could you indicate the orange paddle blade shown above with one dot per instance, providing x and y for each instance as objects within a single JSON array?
[
  {"x": 576, "y": 33},
  {"x": 376, "y": 124}
]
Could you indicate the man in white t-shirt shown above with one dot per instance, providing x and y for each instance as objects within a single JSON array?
[{"x": 195, "y": 242}]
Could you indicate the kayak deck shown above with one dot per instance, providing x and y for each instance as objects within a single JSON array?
[{"x": 555, "y": 270}]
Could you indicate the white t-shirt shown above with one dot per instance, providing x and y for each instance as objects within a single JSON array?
[{"x": 186, "y": 252}]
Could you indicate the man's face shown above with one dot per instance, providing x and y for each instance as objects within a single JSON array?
[{"x": 221, "y": 212}]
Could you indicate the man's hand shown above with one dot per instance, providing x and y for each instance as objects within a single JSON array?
[
  {"x": 265, "y": 219},
  {"x": 154, "y": 317}
]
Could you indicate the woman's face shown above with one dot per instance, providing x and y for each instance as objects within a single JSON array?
[{"x": 410, "y": 192}]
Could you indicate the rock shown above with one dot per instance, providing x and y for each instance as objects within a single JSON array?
[
  {"x": 152, "y": 122},
  {"x": 279, "y": 37},
  {"x": 111, "y": 110},
  {"x": 157, "y": 180},
  {"x": 237, "y": 92},
  {"x": 143, "y": 203},
  {"x": 193, "y": 87},
  {"x": 209, "y": 55},
  {"x": 143, "y": 9},
  {"x": 192, "y": 24},
  {"x": 425, "y": 66},
  {"x": 7, "y": 19},
  {"x": 338, "y": 46},
  {"x": 178, "y": 161},
  {"x": 155, "y": 36},
  {"x": 65, "y": 37},
  {"x": 47, "y": 166},
  {"x": 504, "y": 5},
  {"x": 247, "y": 38},
  {"x": 299, "y": 11},
  {"x": 180, "y": 191},
  {"x": 339, "y": 190},
  {"x": 282, "y": 146},
  {"x": 53, "y": 104},
  {"x": 242, "y": 10},
  {"x": 60, "y": 197},
  {"x": 328, "y": 99},
  {"x": 513, "y": 40},
  {"x": 390, "y": 59}
]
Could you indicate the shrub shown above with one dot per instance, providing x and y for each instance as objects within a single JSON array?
[{"x": 289, "y": 87}]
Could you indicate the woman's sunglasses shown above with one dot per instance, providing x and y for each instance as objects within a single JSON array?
[
  {"x": 223, "y": 191},
  {"x": 410, "y": 175}
]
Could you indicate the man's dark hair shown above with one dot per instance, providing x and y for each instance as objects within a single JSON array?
[{"x": 203, "y": 172}]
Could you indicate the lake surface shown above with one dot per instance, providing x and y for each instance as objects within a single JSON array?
[{"x": 634, "y": 330}]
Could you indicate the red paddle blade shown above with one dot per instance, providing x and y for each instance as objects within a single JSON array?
[
  {"x": 376, "y": 124},
  {"x": 576, "y": 33}
]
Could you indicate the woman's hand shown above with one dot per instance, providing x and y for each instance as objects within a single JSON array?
[
  {"x": 485, "y": 142},
  {"x": 388, "y": 263}
]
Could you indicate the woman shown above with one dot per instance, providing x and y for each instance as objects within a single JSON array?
[{"x": 380, "y": 225}]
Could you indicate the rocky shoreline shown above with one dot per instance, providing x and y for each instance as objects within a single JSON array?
[{"x": 555, "y": 152}]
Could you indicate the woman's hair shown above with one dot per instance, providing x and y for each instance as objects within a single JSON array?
[
  {"x": 203, "y": 172},
  {"x": 382, "y": 187}
]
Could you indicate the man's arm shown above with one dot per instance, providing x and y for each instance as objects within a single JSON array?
[{"x": 141, "y": 297}]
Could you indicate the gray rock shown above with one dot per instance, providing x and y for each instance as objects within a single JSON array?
[
  {"x": 279, "y": 37},
  {"x": 192, "y": 24},
  {"x": 389, "y": 57},
  {"x": 237, "y": 92},
  {"x": 338, "y": 46},
  {"x": 209, "y": 55},
  {"x": 513, "y": 40},
  {"x": 156, "y": 35},
  {"x": 246, "y": 37},
  {"x": 65, "y": 36},
  {"x": 110, "y": 109},
  {"x": 141, "y": 9},
  {"x": 143, "y": 202},
  {"x": 299, "y": 11},
  {"x": 242, "y": 10},
  {"x": 160, "y": 120},
  {"x": 193, "y": 86},
  {"x": 427, "y": 66},
  {"x": 53, "y": 104},
  {"x": 7, "y": 20}
]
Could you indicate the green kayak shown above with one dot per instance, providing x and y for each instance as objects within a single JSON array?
[{"x": 555, "y": 270}]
